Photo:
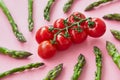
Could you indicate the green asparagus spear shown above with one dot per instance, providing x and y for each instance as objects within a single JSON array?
[
  {"x": 95, "y": 4},
  {"x": 30, "y": 15},
  {"x": 78, "y": 67},
  {"x": 16, "y": 32},
  {"x": 67, "y": 5},
  {"x": 14, "y": 53},
  {"x": 114, "y": 16},
  {"x": 116, "y": 34},
  {"x": 20, "y": 69},
  {"x": 98, "y": 55},
  {"x": 113, "y": 52},
  {"x": 52, "y": 74},
  {"x": 47, "y": 10}
]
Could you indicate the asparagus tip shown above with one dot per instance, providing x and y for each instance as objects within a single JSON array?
[
  {"x": 30, "y": 28},
  {"x": 88, "y": 8},
  {"x": 96, "y": 49},
  {"x": 42, "y": 64},
  {"x": 61, "y": 64},
  {"x": 105, "y": 17},
  {"x": 29, "y": 54},
  {"x": 112, "y": 31},
  {"x": 80, "y": 56},
  {"x": 20, "y": 37},
  {"x": 47, "y": 18},
  {"x": 108, "y": 43},
  {"x": 22, "y": 54}
]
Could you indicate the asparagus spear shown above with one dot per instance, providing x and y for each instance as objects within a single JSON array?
[
  {"x": 114, "y": 16},
  {"x": 78, "y": 67},
  {"x": 14, "y": 53},
  {"x": 16, "y": 32},
  {"x": 113, "y": 52},
  {"x": 67, "y": 5},
  {"x": 30, "y": 15},
  {"x": 98, "y": 55},
  {"x": 20, "y": 69},
  {"x": 47, "y": 10},
  {"x": 95, "y": 4},
  {"x": 52, "y": 74},
  {"x": 116, "y": 34}
]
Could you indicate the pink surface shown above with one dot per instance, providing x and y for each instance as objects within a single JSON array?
[{"x": 18, "y": 9}]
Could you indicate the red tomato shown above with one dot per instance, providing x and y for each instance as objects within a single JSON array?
[
  {"x": 59, "y": 23},
  {"x": 76, "y": 36},
  {"x": 96, "y": 30},
  {"x": 63, "y": 42},
  {"x": 71, "y": 18},
  {"x": 46, "y": 50},
  {"x": 43, "y": 34}
]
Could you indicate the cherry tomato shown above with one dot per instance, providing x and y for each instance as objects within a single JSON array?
[
  {"x": 71, "y": 18},
  {"x": 63, "y": 42},
  {"x": 43, "y": 34},
  {"x": 46, "y": 50},
  {"x": 59, "y": 23},
  {"x": 76, "y": 35},
  {"x": 97, "y": 29}
]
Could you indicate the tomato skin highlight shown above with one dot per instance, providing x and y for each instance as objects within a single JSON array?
[
  {"x": 46, "y": 50},
  {"x": 71, "y": 18},
  {"x": 76, "y": 36},
  {"x": 98, "y": 29},
  {"x": 63, "y": 42},
  {"x": 43, "y": 34},
  {"x": 59, "y": 23}
]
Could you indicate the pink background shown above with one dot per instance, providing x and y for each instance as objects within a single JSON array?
[{"x": 18, "y": 9}]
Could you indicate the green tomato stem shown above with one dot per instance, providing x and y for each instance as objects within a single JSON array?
[{"x": 66, "y": 28}]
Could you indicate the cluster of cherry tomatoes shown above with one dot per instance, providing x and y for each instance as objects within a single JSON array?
[{"x": 64, "y": 32}]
